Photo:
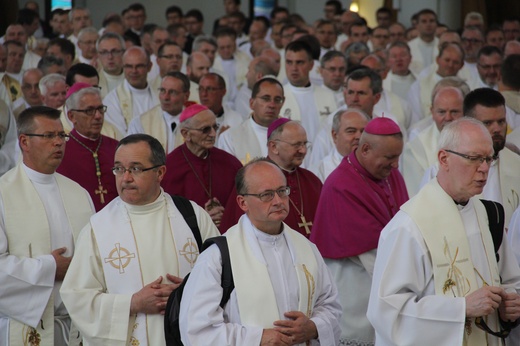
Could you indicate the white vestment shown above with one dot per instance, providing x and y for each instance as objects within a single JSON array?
[
  {"x": 194, "y": 92},
  {"x": 329, "y": 163},
  {"x": 399, "y": 85},
  {"x": 420, "y": 96},
  {"x": 310, "y": 105},
  {"x": 242, "y": 101},
  {"x": 423, "y": 53},
  {"x": 158, "y": 123},
  {"x": 51, "y": 210},
  {"x": 107, "y": 269},
  {"x": 229, "y": 118},
  {"x": 239, "y": 64},
  {"x": 278, "y": 258},
  {"x": 125, "y": 103},
  {"x": 404, "y": 308},
  {"x": 108, "y": 82},
  {"x": 30, "y": 60},
  {"x": 503, "y": 182},
  {"x": 8, "y": 138},
  {"x": 245, "y": 142},
  {"x": 418, "y": 155}
]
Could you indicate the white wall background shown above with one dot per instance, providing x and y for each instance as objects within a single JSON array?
[{"x": 448, "y": 10}]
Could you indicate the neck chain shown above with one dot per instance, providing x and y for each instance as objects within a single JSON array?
[
  {"x": 303, "y": 224},
  {"x": 100, "y": 191},
  {"x": 389, "y": 204},
  {"x": 208, "y": 192}
]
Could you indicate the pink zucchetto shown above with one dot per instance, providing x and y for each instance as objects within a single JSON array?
[
  {"x": 382, "y": 126},
  {"x": 77, "y": 87},
  {"x": 276, "y": 124},
  {"x": 192, "y": 111}
]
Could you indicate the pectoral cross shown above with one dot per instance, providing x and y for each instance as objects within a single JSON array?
[
  {"x": 305, "y": 224},
  {"x": 101, "y": 193}
]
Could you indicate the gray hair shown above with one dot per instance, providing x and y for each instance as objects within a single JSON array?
[
  {"x": 49, "y": 81},
  {"x": 331, "y": 55},
  {"x": 454, "y": 82},
  {"x": 356, "y": 47},
  {"x": 203, "y": 39},
  {"x": 88, "y": 30},
  {"x": 451, "y": 133},
  {"x": 474, "y": 15},
  {"x": 71, "y": 12},
  {"x": 73, "y": 101},
  {"x": 108, "y": 36},
  {"x": 336, "y": 121}
]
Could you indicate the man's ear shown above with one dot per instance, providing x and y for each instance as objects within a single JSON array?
[{"x": 242, "y": 204}]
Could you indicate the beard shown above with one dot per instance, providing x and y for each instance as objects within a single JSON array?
[{"x": 499, "y": 142}]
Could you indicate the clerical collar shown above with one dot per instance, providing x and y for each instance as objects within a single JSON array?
[
  {"x": 463, "y": 204},
  {"x": 147, "y": 208},
  {"x": 221, "y": 113},
  {"x": 266, "y": 237},
  {"x": 87, "y": 138},
  {"x": 38, "y": 177},
  {"x": 138, "y": 91},
  {"x": 303, "y": 88}
]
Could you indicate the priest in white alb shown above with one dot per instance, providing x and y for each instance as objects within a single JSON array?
[
  {"x": 438, "y": 279},
  {"x": 132, "y": 254},
  {"x": 41, "y": 214},
  {"x": 249, "y": 139},
  {"x": 283, "y": 295},
  {"x": 134, "y": 96}
]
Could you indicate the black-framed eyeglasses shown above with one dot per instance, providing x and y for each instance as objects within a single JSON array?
[
  {"x": 477, "y": 159},
  {"x": 268, "y": 195},
  {"x": 113, "y": 52},
  {"x": 206, "y": 129},
  {"x": 135, "y": 170},
  {"x": 91, "y": 111},
  {"x": 268, "y": 99},
  {"x": 297, "y": 145},
  {"x": 50, "y": 135}
]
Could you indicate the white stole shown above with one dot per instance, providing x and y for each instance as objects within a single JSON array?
[
  {"x": 256, "y": 299},
  {"x": 125, "y": 101},
  {"x": 247, "y": 146},
  {"x": 445, "y": 236},
  {"x": 120, "y": 254},
  {"x": 35, "y": 240},
  {"x": 153, "y": 124}
]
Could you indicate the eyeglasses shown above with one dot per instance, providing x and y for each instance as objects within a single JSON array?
[
  {"x": 50, "y": 135},
  {"x": 91, "y": 111},
  {"x": 489, "y": 67},
  {"x": 475, "y": 159},
  {"x": 269, "y": 99},
  {"x": 170, "y": 92},
  {"x": 113, "y": 52},
  {"x": 171, "y": 56},
  {"x": 297, "y": 145},
  {"x": 208, "y": 89},
  {"x": 206, "y": 129},
  {"x": 135, "y": 170},
  {"x": 268, "y": 195},
  {"x": 471, "y": 40}
]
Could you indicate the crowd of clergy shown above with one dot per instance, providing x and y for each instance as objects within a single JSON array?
[{"x": 367, "y": 179}]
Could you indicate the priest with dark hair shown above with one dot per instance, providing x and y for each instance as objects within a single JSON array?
[
  {"x": 357, "y": 201},
  {"x": 197, "y": 170}
]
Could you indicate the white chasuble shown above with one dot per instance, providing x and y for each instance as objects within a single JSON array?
[
  {"x": 125, "y": 247},
  {"x": 27, "y": 228},
  {"x": 454, "y": 273},
  {"x": 249, "y": 270}
]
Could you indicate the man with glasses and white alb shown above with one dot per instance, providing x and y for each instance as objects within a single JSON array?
[
  {"x": 133, "y": 253},
  {"x": 41, "y": 214}
]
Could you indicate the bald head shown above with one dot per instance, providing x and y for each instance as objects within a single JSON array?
[
  {"x": 198, "y": 65},
  {"x": 287, "y": 145},
  {"x": 136, "y": 65},
  {"x": 16, "y": 32},
  {"x": 30, "y": 87},
  {"x": 512, "y": 47}
]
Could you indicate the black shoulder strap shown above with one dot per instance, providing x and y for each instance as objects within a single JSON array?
[
  {"x": 227, "y": 274},
  {"x": 186, "y": 209},
  {"x": 496, "y": 219}
]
